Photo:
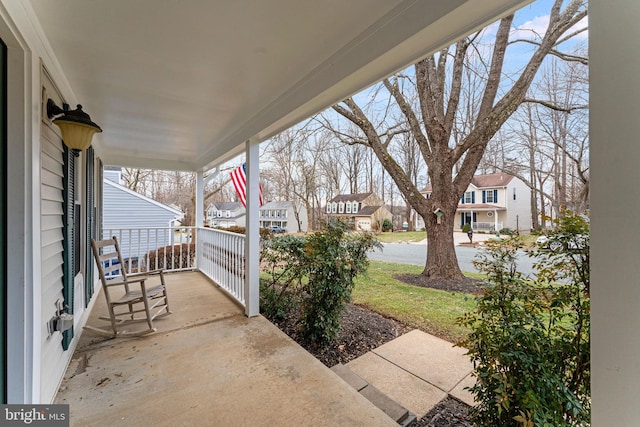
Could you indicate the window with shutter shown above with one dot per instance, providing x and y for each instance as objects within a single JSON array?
[
  {"x": 91, "y": 222},
  {"x": 70, "y": 236}
]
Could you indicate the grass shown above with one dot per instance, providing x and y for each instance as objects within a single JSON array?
[
  {"x": 405, "y": 236},
  {"x": 430, "y": 310}
]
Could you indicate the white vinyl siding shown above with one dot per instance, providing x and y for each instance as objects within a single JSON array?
[
  {"x": 53, "y": 358},
  {"x": 123, "y": 208},
  {"x": 519, "y": 210}
]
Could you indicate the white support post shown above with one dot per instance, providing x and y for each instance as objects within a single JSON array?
[
  {"x": 199, "y": 200},
  {"x": 252, "y": 242},
  {"x": 614, "y": 128}
]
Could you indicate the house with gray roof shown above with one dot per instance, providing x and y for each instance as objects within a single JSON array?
[{"x": 226, "y": 214}]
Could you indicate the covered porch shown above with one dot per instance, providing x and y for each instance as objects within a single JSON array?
[
  {"x": 208, "y": 364},
  {"x": 189, "y": 85}
]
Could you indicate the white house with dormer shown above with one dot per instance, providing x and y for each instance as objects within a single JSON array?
[
  {"x": 286, "y": 214},
  {"x": 494, "y": 202},
  {"x": 226, "y": 214}
]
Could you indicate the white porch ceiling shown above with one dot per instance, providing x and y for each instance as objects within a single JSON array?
[{"x": 182, "y": 84}]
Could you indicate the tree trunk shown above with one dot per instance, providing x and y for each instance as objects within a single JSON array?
[{"x": 442, "y": 262}]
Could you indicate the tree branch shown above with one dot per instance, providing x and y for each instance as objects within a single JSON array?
[
  {"x": 555, "y": 107},
  {"x": 412, "y": 120},
  {"x": 564, "y": 56}
]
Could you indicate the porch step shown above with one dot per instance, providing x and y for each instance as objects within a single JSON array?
[{"x": 395, "y": 411}]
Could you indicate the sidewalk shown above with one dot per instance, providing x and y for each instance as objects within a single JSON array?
[{"x": 417, "y": 370}]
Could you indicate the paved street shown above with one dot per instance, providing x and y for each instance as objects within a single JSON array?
[{"x": 416, "y": 254}]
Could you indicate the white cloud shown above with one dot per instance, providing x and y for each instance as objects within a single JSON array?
[
  {"x": 535, "y": 29},
  {"x": 531, "y": 30},
  {"x": 583, "y": 23}
]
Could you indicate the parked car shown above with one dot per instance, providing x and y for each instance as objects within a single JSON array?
[
  {"x": 544, "y": 242},
  {"x": 576, "y": 242},
  {"x": 275, "y": 229}
]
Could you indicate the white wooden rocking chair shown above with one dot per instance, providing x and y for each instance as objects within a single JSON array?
[{"x": 129, "y": 298}]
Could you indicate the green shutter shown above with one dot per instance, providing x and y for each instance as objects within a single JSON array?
[
  {"x": 91, "y": 225},
  {"x": 3, "y": 222},
  {"x": 69, "y": 236}
]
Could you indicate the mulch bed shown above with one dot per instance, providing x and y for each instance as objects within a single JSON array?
[
  {"x": 467, "y": 285},
  {"x": 361, "y": 330},
  {"x": 448, "y": 413}
]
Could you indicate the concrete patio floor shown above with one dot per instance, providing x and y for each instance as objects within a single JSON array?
[{"x": 208, "y": 365}]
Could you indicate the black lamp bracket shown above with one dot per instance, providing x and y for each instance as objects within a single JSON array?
[{"x": 53, "y": 109}]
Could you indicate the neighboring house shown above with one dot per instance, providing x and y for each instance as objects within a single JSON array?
[
  {"x": 288, "y": 215},
  {"x": 363, "y": 211},
  {"x": 226, "y": 214},
  {"x": 493, "y": 202},
  {"x": 125, "y": 209}
]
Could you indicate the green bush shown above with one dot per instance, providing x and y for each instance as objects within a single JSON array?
[
  {"x": 387, "y": 225},
  {"x": 466, "y": 227},
  {"x": 506, "y": 231},
  {"x": 284, "y": 259},
  {"x": 265, "y": 233},
  {"x": 314, "y": 275},
  {"x": 335, "y": 258},
  {"x": 530, "y": 340}
]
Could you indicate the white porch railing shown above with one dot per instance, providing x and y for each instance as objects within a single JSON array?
[
  {"x": 221, "y": 258},
  {"x": 486, "y": 226},
  {"x": 145, "y": 249},
  {"x": 217, "y": 254}
]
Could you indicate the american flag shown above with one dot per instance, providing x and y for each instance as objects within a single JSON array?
[{"x": 239, "y": 178}]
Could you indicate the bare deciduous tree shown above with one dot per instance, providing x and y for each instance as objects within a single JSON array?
[{"x": 452, "y": 162}]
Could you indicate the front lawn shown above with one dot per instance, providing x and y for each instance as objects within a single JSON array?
[
  {"x": 401, "y": 236},
  {"x": 430, "y": 310}
]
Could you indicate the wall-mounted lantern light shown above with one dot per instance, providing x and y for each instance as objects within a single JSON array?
[{"x": 76, "y": 125}]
